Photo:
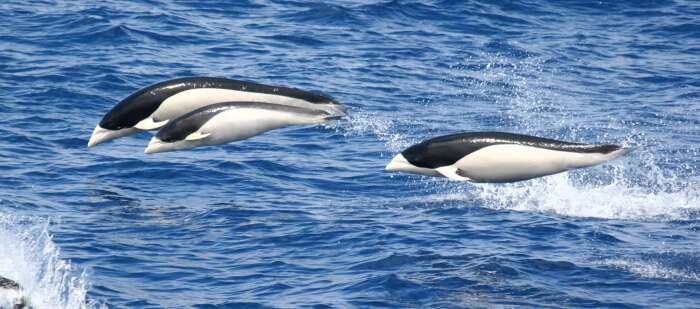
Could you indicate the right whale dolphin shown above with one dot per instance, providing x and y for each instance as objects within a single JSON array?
[
  {"x": 498, "y": 157},
  {"x": 227, "y": 122},
  {"x": 154, "y": 106}
]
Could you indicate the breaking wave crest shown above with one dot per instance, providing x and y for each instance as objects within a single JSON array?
[
  {"x": 30, "y": 257},
  {"x": 617, "y": 200},
  {"x": 664, "y": 266}
]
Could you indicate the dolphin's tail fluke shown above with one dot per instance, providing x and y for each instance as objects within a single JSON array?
[{"x": 619, "y": 153}]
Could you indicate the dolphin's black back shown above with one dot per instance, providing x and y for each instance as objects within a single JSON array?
[
  {"x": 144, "y": 102},
  {"x": 448, "y": 149},
  {"x": 8, "y": 284},
  {"x": 141, "y": 104}
]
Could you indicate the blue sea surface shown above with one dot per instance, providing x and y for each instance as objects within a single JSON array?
[{"x": 306, "y": 216}]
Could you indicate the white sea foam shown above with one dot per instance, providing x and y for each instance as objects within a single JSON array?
[
  {"x": 30, "y": 257},
  {"x": 651, "y": 269},
  {"x": 617, "y": 200},
  {"x": 11, "y": 298}
]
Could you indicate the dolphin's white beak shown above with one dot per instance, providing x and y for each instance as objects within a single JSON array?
[
  {"x": 155, "y": 146},
  {"x": 101, "y": 135},
  {"x": 398, "y": 163}
]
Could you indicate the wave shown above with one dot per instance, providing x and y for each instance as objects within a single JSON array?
[
  {"x": 663, "y": 266},
  {"x": 618, "y": 200},
  {"x": 31, "y": 258}
]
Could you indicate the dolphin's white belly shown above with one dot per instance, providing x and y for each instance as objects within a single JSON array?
[
  {"x": 241, "y": 123},
  {"x": 189, "y": 100},
  {"x": 9, "y": 298},
  {"x": 508, "y": 162}
]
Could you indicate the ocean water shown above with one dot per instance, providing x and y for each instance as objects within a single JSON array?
[{"x": 306, "y": 216}]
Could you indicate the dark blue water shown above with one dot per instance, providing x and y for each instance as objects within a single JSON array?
[{"x": 306, "y": 216}]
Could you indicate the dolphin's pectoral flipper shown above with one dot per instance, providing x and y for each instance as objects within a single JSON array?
[
  {"x": 150, "y": 124},
  {"x": 197, "y": 136},
  {"x": 452, "y": 173}
]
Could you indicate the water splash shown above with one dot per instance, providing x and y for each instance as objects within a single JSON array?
[
  {"x": 617, "y": 200},
  {"x": 653, "y": 269},
  {"x": 514, "y": 90},
  {"x": 30, "y": 257},
  {"x": 367, "y": 123}
]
